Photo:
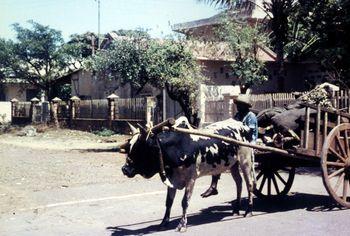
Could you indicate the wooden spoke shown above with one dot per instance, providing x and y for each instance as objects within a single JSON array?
[
  {"x": 346, "y": 141},
  {"x": 275, "y": 184},
  {"x": 339, "y": 181},
  {"x": 280, "y": 178},
  {"x": 269, "y": 186},
  {"x": 259, "y": 175},
  {"x": 335, "y": 168},
  {"x": 262, "y": 183},
  {"x": 345, "y": 189},
  {"x": 338, "y": 164},
  {"x": 337, "y": 154},
  {"x": 335, "y": 173},
  {"x": 342, "y": 149}
]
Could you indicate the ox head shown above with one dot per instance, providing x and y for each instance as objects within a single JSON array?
[{"x": 142, "y": 154}]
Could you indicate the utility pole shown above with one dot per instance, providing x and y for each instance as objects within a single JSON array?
[{"x": 98, "y": 24}]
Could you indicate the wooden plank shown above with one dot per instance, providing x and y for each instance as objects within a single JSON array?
[
  {"x": 325, "y": 126},
  {"x": 306, "y": 128},
  {"x": 317, "y": 133},
  {"x": 348, "y": 101},
  {"x": 337, "y": 99}
]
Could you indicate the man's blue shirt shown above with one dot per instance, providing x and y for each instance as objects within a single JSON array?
[{"x": 251, "y": 121}]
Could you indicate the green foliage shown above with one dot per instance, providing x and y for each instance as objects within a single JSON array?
[
  {"x": 104, "y": 132},
  {"x": 63, "y": 91},
  {"x": 5, "y": 58},
  {"x": 244, "y": 42},
  {"x": 320, "y": 31},
  {"x": 37, "y": 56},
  {"x": 79, "y": 48},
  {"x": 163, "y": 64},
  {"x": 307, "y": 29}
]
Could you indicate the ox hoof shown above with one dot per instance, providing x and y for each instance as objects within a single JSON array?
[
  {"x": 182, "y": 226},
  {"x": 181, "y": 229},
  {"x": 164, "y": 225},
  {"x": 235, "y": 212},
  {"x": 210, "y": 191},
  {"x": 235, "y": 209},
  {"x": 248, "y": 214}
]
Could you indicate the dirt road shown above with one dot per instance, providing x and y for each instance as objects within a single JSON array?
[{"x": 59, "y": 190}]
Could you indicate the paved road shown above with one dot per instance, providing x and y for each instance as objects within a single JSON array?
[{"x": 136, "y": 206}]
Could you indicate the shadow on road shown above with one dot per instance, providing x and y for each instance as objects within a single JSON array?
[
  {"x": 309, "y": 202},
  {"x": 97, "y": 150}
]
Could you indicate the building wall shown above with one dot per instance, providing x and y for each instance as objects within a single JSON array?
[
  {"x": 5, "y": 112},
  {"x": 16, "y": 90},
  {"x": 217, "y": 72},
  {"x": 86, "y": 86}
]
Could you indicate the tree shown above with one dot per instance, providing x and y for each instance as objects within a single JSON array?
[
  {"x": 165, "y": 64},
  {"x": 320, "y": 32},
  {"x": 277, "y": 12},
  {"x": 80, "y": 47},
  {"x": 37, "y": 56},
  {"x": 244, "y": 42},
  {"x": 5, "y": 58}
]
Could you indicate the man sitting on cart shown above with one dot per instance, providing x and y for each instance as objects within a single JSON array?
[{"x": 249, "y": 119}]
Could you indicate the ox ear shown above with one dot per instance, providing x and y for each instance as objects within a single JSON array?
[{"x": 133, "y": 129}]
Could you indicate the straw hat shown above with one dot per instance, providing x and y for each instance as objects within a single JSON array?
[{"x": 244, "y": 99}]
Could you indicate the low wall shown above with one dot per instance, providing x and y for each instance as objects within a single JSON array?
[
  {"x": 118, "y": 126},
  {"x": 5, "y": 112}
]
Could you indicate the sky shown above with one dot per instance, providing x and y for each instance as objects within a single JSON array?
[{"x": 79, "y": 16}]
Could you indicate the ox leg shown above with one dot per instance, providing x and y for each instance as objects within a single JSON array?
[
  {"x": 236, "y": 205},
  {"x": 248, "y": 174},
  {"x": 169, "y": 202},
  {"x": 182, "y": 227},
  {"x": 212, "y": 190}
]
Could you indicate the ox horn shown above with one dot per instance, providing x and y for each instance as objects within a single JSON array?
[
  {"x": 142, "y": 128},
  {"x": 133, "y": 129}
]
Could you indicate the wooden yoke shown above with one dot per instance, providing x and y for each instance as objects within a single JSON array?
[
  {"x": 159, "y": 127},
  {"x": 229, "y": 140}
]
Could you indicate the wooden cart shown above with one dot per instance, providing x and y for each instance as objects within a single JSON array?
[{"x": 324, "y": 141}]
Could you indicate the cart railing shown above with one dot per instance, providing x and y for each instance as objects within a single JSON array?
[
  {"x": 318, "y": 122},
  {"x": 341, "y": 100}
]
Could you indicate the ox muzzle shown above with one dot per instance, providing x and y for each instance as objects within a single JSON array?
[{"x": 128, "y": 171}]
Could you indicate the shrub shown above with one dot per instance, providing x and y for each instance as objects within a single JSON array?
[{"x": 104, "y": 132}]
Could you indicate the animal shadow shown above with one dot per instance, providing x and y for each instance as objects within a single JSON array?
[{"x": 223, "y": 212}]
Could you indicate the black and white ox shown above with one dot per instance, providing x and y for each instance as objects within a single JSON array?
[{"x": 181, "y": 158}]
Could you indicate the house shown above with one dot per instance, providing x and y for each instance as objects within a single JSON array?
[
  {"x": 17, "y": 88},
  {"x": 297, "y": 76}
]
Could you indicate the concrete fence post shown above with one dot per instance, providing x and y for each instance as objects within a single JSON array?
[
  {"x": 14, "y": 103},
  {"x": 54, "y": 106},
  {"x": 150, "y": 105},
  {"x": 112, "y": 108},
  {"x": 74, "y": 109},
  {"x": 33, "y": 109},
  {"x": 228, "y": 101}
]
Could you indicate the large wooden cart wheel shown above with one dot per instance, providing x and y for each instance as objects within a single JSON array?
[
  {"x": 273, "y": 181},
  {"x": 335, "y": 162}
]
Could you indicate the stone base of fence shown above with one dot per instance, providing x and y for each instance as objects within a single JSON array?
[{"x": 118, "y": 126}]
